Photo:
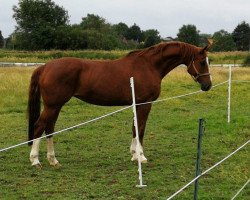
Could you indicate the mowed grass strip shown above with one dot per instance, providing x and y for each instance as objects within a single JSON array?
[
  {"x": 95, "y": 158},
  {"x": 237, "y": 57}
]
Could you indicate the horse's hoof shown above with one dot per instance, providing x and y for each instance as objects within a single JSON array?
[
  {"x": 143, "y": 159},
  {"x": 37, "y": 165},
  {"x": 54, "y": 163},
  {"x": 57, "y": 165}
]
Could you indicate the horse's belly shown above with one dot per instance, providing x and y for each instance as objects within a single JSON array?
[
  {"x": 102, "y": 101},
  {"x": 105, "y": 97},
  {"x": 117, "y": 97}
]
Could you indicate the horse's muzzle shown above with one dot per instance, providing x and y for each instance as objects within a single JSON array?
[{"x": 206, "y": 87}]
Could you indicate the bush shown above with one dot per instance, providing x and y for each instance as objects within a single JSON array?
[{"x": 247, "y": 60}]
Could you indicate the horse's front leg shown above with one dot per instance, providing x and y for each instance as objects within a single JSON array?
[
  {"x": 52, "y": 117},
  {"x": 142, "y": 116}
]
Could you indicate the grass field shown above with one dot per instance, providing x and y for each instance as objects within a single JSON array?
[{"x": 96, "y": 160}]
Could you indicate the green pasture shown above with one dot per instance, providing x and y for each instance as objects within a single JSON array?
[{"x": 95, "y": 158}]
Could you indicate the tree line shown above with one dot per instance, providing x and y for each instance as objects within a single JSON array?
[{"x": 44, "y": 25}]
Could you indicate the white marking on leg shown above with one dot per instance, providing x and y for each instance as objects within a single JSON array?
[
  {"x": 34, "y": 153},
  {"x": 133, "y": 146},
  {"x": 134, "y": 154},
  {"x": 51, "y": 153}
]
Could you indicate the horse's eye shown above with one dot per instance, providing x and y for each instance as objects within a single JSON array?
[{"x": 203, "y": 63}]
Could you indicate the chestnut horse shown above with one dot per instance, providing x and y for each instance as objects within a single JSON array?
[{"x": 106, "y": 83}]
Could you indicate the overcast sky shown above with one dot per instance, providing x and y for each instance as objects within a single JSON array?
[{"x": 167, "y": 16}]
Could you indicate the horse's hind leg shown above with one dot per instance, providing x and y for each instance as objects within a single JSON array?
[
  {"x": 39, "y": 129},
  {"x": 46, "y": 122},
  {"x": 34, "y": 154},
  {"x": 142, "y": 116}
]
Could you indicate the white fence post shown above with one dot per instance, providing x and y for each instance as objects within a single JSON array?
[
  {"x": 137, "y": 134},
  {"x": 229, "y": 94}
]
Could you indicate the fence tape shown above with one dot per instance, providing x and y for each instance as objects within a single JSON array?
[
  {"x": 241, "y": 81},
  {"x": 240, "y": 189}
]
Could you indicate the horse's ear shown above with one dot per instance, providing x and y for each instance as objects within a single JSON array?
[{"x": 210, "y": 43}]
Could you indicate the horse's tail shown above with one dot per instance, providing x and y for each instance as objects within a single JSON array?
[{"x": 34, "y": 102}]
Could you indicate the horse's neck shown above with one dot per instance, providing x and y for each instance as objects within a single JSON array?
[
  {"x": 170, "y": 59},
  {"x": 169, "y": 66},
  {"x": 164, "y": 57}
]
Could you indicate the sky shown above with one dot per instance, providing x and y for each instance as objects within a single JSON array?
[{"x": 167, "y": 16}]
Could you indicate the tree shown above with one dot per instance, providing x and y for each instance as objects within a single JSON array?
[
  {"x": 223, "y": 41},
  {"x": 1, "y": 40},
  {"x": 134, "y": 33},
  {"x": 70, "y": 37},
  {"x": 121, "y": 29},
  {"x": 241, "y": 36},
  {"x": 37, "y": 21},
  {"x": 189, "y": 33},
  {"x": 95, "y": 22},
  {"x": 152, "y": 37},
  {"x": 99, "y": 34},
  {"x": 98, "y": 40}
]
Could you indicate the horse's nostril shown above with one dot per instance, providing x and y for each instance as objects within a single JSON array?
[{"x": 206, "y": 87}]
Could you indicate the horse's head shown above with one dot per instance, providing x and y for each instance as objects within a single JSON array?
[{"x": 199, "y": 68}]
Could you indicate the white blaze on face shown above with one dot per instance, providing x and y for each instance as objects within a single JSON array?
[{"x": 207, "y": 61}]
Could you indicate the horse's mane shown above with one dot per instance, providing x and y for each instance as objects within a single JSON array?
[
  {"x": 187, "y": 51},
  {"x": 155, "y": 48}
]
